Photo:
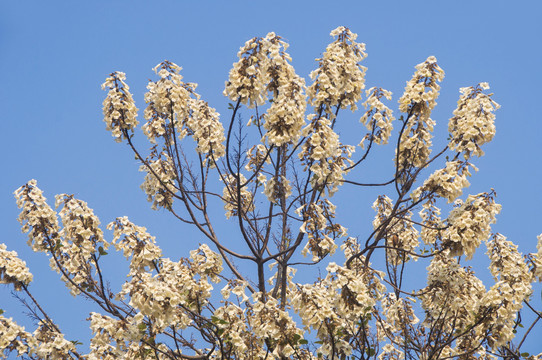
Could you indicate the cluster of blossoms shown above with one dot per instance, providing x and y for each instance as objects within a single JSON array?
[
  {"x": 125, "y": 334},
  {"x": 274, "y": 326},
  {"x": 159, "y": 182},
  {"x": 233, "y": 202},
  {"x": 339, "y": 79},
  {"x": 470, "y": 223},
  {"x": 431, "y": 222},
  {"x": 324, "y": 155},
  {"x": 402, "y": 236},
  {"x": 81, "y": 239},
  {"x": 74, "y": 247},
  {"x": 14, "y": 338},
  {"x": 286, "y": 115},
  {"x": 396, "y": 323},
  {"x": 473, "y": 123},
  {"x": 12, "y": 269},
  {"x": 174, "y": 108},
  {"x": 277, "y": 188},
  {"x": 36, "y": 217},
  {"x": 447, "y": 183},
  {"x": 417, "y": 102},
  {"x": 512, "y": 287},
  {"x": 264, "y": 70},
  {"x": 537, "y": 260},
  {"x": 44, "y": 343},
  {"x": 233, "y": 327},
  {"x": 341, "y": 303},
  {"x": 249, "y": 78},
  {"x": 378, "y": 118},
  {"x": 320, "y": 228},
  {"x": 452, "y": 301},
  {"x": 135, "y": 243},
  {"x": 120, "y": 112}
]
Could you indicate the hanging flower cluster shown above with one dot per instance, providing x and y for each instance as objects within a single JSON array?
[
  {"x": 447, "y": 183},
  {"x": 277, "y": 188},
  {"x": 325, "y": 156},
  {"x": 263, "y": 71},
  {"x": 234, "y": 202},
  {"x": 401, "y": 235},
  {"x": 175, "y": 109},
  {"x": 12, "y": 269},
  {"x": 512, "y": 287},
  {"x": 417, "y": 102},
  {"x": 378, "y": 118},
  {"x": 120, "y": 113},
  {"x": 470, "y": 223},
  {"x": 136, "y": 245},
  {"x": 473, "y": 123},
  {"x": 339, "y": 79},
  {"x": 159, "y": 182},
  {"x": 320, "y": 228}
]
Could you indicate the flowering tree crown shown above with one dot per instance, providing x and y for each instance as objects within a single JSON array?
[{"x": 275, "y": 180}]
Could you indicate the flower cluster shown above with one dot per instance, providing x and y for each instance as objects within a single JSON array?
[
  {"x": 125, "y": 334},
  {"x": 120, "y": 112},
  {"x": 51, "y": 344},
  {"x": 470, "y": 223},
  {"x": 12, "y": 269},
  {"x": 417, "y": 102},
  {"x": 274, "y": 326},
  {"x": 286, "y": 115},
  {"x": 339, "y": 79},
  {"x": 473, "y": 123},
  {"x": 36, "y": 217},
  {"x": 340, "y": 303},
  {"x": 398, "y": 318},
  {"x": 135, "y": 243},
  {"x": 175, "y": 109},
  {"x": 206, "y": 129},
  {"x": 249, "y": 77},
  {"x": 320, "y": 228},
  {"x": 432, "y": 224},
  {"x": 401, "y": 235},
  {"x": 277, "y": 188},
  {"x": 231, "y": 198},
  {"x": 324, "y": 155},
  {"x": 167, "y": 103},
  {"x": 447, "y": 183},
  {"x": 239, "y": 340},
  {"x": 454, "y": 288},
  {"x": 159, "y": 182},
  {"x": 14, "y": 338},
  {"x": 81, "y": 239},
  {"x": 378, "y": 118},
  {"x": 512, "y": 287}
]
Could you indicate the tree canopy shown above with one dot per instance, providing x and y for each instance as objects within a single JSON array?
[{"x": 275, "y": 178}]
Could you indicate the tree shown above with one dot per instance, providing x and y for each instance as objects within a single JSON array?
[{"x": 276, "y": 180}]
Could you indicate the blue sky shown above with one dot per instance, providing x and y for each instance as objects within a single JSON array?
[{"x": 54, "y": 56}]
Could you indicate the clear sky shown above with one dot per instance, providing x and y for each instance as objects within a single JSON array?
[{"x": 54, "y": 55}]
